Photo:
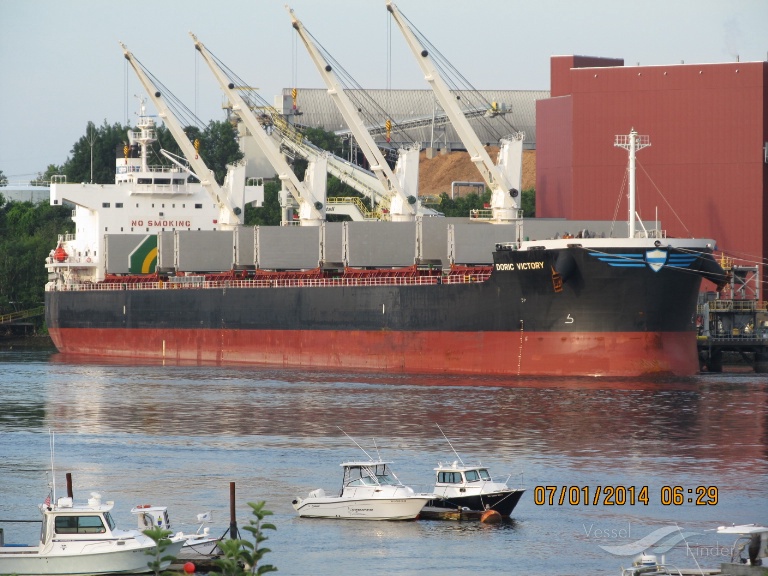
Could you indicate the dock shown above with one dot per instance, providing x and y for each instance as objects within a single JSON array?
[{"x": 734, "y": 321}]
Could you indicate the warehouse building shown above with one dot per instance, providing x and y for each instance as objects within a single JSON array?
[{"x": 706, "y": 169}]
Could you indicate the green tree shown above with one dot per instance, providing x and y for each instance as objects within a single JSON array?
[
  {"x": 528, "y": 203},
  {"x": 218, "y": 147},
  {"x": 3, "y": 179},
  {"x": 323, "y": 139},
  {"x": 28, "y": 233},
  {"x": 159, "y": 558},
  {"x": 460, "y": 207},
  {"x": 269, "y": 214},
  {"x": 239, "y": 553},
  {"x": 101, "y": 143},
  {"x": 44, "y": 178}
]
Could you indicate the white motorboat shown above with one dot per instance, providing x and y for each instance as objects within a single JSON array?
[
  {"x": 751, "y": 545},
  {"x": 82, "y": 539},
  {"x": 748, "y": 551},
  {"x": 369, "y": 491},
  {"x": 470, "y": 488},
  {"x": 200, "y": 542}
]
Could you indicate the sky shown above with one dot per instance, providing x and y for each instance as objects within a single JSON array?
[{"x": 61, "y": 65}]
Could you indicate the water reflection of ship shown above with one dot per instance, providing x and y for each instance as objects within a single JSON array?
[{"x": 694, "y": 418}]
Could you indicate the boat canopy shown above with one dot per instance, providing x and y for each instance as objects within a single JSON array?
[{"x": 369, "y": 474}]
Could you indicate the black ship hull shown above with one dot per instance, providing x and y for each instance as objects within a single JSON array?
[{"x": 575, "y": 311}]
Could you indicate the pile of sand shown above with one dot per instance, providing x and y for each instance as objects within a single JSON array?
[{"x": 436, "y": 174}]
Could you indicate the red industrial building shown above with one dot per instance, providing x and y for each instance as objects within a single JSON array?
[{"x": 705, "y": 173}]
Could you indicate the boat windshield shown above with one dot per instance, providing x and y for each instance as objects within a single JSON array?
[
  {"x": 449, "y": 478},
  {"x": 370, "y": 476},
  {"x": 44, "y": 530},
  {"x": 359, "y": 476},
  {"x": 79, "y": 525},
  {"x": 384, "y": 475},
  {"x": 477, "y": 475},
  {"x": 111, "y": 523}
]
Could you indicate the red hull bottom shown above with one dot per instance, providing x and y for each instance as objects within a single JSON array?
[{"x": 621, "y": 354}]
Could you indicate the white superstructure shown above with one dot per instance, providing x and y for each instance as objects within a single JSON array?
[
  {"x": 370, "y": 491},
  {"x": 145, "y": 199},
  {"x": 83, "y": 539}
]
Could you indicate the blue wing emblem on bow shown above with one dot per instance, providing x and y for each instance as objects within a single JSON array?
[{"x": 656, "y": 259}]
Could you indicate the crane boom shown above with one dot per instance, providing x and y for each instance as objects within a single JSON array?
[
  {"x": 230, "y": 215},
  {"x": 310, "y": 195},
  {"x": 403, "y": 206},
  {"x": 504, "y": 194}
]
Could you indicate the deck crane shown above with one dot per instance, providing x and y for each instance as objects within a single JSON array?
[
  {"x": 402, "y": 189},
  {"x": 309, "y": 194},
  {"x": 232, "y": 196},
  {"x": 504, "y": 179}
]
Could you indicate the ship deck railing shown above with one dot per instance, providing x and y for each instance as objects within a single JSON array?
[
  {"x": 285, "y": 282},
  {"x": 734, "y": 306}
]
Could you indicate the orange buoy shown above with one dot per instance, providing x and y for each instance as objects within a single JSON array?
[
  {"x": 189, "y": 568},
  {"x": 490, "y": 517}
]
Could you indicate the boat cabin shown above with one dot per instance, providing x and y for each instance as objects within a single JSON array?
[
  {"x": 457, "y": 475},
  {"x": 76, "y": 521},
  {"x": 152, "y": 516}
]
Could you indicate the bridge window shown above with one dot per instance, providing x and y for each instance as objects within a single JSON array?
[
  {"x": 79, "y": 525},
  {"x": 472, "y": 476},
  {"x": 449, "y": 477},
  {"x": 105, "y": 204}
]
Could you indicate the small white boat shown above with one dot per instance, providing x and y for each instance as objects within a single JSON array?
[
  {"x": 471, "y": 489},
  {"x": 751, "y": 545},
  {"x": 748, "y": 551},
  {"x": 467, "y": 491},
  {"x": 82, "y": 539},
  {"x": 201, "y": 542},
  {"x": 369, "y": 491},
  {"x": 648, "y": 565}
]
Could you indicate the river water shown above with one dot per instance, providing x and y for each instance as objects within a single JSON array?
[{"x": 178, "y": 435}]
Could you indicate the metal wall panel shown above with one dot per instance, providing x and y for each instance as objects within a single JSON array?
[
  {"x": 118, "y": 251},
  {"x": 475, "y": 242},
  {"x": 333, "y": 243},
  {"x": 381, "y": 244},
  {"x": 166, "y": 250},
  {"x": 246, "y": 238},
  {"x": 434, "y": 240},
  {"x": 288, "y": 247},
  {"x": 205, "y": 250},
  {"x": 554, "y": 157}
]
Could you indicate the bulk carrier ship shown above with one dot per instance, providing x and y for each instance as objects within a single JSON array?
[{"x": 561, "y": 306}]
